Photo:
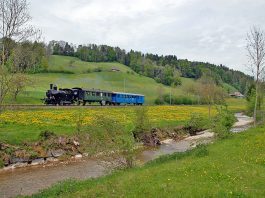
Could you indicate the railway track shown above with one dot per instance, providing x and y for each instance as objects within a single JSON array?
[{"x": 26, "y": 106}]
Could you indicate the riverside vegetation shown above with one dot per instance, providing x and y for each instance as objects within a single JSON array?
[
  {"x": 221, "y": 169},
  {"x": 70, "y": 132}
]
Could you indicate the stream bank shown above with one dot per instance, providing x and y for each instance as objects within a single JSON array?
[{"x": 29, "y": 180}]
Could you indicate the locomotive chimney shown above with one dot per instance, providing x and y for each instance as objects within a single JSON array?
[
  {"x": 55, "y": 87},
  {"x": 51, "y": 86}
]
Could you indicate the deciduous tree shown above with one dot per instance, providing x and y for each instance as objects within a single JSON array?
[
  {"x": 256, "y": 56},
  {"x": 18, "y": 84},
  {"x": 14, "y": 26}
]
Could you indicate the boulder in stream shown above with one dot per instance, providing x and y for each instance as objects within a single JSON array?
[
  {"x": 37, "y": 162},
  {"x": 57, "y": 153}
]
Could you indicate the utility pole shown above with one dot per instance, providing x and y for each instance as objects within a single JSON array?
[
  {"x": 124, "y": 85},
  {"x": 170, "y": 95}
]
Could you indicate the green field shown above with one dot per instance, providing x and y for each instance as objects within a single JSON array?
[
  {"x": 105, "y": 80},
  {"x": 25, "y": 125},
  {"x": 233, "y": 167},
  {"x": 20, "y": 126}
]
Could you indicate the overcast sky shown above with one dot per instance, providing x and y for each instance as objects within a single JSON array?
[{"x": 202, "y": 30}]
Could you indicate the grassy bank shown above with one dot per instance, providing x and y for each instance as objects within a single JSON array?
[{"x": 233, "y": 167}]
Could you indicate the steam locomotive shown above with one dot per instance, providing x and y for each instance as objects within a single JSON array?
[{"x": 78, "y": 96}]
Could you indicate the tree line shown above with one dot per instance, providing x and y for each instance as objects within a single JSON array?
[{"x": 164, "y": 69}]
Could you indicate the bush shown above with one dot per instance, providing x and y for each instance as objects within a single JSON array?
[
  {"x": 141, "y": 123},
  {"x": 45, "y": 135},
  {"x": 57, "y": 71},
  {"x": 158, "y": 80},
  {"x": 88, "y": 71},
  {"x": 2, "y": 164},
  {"x": 197, "y": 123},
  {"x": 109, "y": 137},
  {"x": 223, "y": 122},
  {"x": 179, "y": 100},
  {"x": 159, "y": 101},
  {"x": 98, "y": 69}
]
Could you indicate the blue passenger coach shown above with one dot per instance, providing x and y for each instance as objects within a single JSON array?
[{"x": 127, "y": 98}]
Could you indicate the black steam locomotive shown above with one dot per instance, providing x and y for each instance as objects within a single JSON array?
[{"x": 61, "y": 96}]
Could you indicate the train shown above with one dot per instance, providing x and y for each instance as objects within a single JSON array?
[{"x": 79, "y": 96}]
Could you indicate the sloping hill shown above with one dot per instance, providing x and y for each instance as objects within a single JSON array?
[
  {"x": 68, "y": 72},
  {"x": 67, "y": 64}
]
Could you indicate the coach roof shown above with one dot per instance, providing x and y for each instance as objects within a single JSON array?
[{"x": 132, "y": 94}]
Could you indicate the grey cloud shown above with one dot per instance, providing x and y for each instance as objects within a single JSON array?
[{"x": 203, "y": 30}]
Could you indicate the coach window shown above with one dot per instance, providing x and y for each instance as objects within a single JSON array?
[
  {"x": 93, "y": 93},
  {"x": 98, "y": 94}
]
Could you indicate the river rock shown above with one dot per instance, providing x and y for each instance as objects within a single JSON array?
[
  {"x": 16, "y": 165},
  {"x": 51, "y": 159},
  {"x": 78, "y": 156},
  {"x": 15, "y": 160},
  {"x": 37, "y": 162},
  {"x": 57, "y": 153},
  {"x": 151, "y": 139},
  {"x": 62, "y": 141},
  {"x": 76, "y": 143}
]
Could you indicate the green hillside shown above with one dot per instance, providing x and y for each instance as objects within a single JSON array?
[
  {"x": 68, "y": 72},
  {"x": 69, "y": 64}
]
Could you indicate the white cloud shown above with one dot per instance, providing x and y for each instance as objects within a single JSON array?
[{"x": 203, "y": 30}]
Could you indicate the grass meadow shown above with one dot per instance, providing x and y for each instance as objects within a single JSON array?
[
  {"x": 25, "y": 125},
  {"x": 232, "y": 167}
]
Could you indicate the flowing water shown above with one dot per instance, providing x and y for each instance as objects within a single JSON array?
[{"x": 29, "y": 180}]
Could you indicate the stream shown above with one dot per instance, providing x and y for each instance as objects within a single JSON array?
[{"x": 29, "y": 180}]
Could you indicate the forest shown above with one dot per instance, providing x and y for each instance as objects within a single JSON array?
[{"x": 164, "y": 69}]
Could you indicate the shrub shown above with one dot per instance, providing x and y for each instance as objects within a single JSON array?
[
  {"x": 141, "y": 123},
  {"x": 158, "y": 80},
  {"x": 223, "y": 122},
  {"x": 88, "y": 71},
  {"x": 2, "y": 164},
  {"x": 45, "y": 135},
  {"x": 179, "y": 100},
  {"x": 197, "y": 123},
  {"x": 98, "y": 69},
  {"x": 109, "y": 137},
  {"x": 159, "y": 101},
  {"x": 57, "y": 71}
]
